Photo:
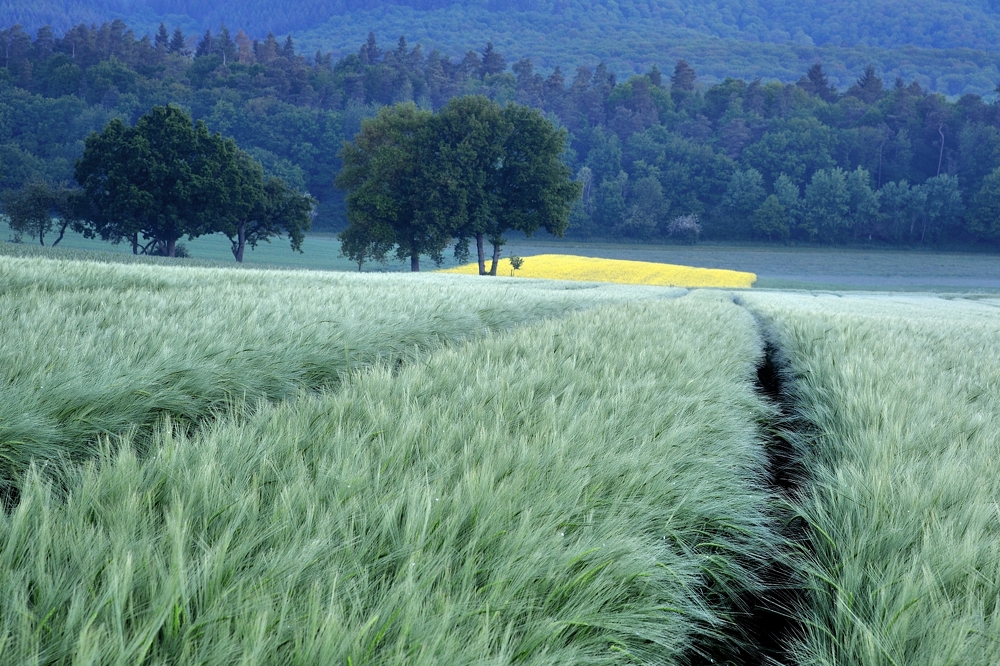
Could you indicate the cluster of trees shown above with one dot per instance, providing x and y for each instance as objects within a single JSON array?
[
  {"x": 418, "y": 180},
  {"x": 647, "y": 150},
  {"x": 38, "y": 208},
  {"x": 802, "y": 161},
  {"x": 163, "y": 179}
]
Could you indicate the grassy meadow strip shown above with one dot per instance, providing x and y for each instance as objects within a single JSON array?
[
  {"x": 583, "y": 490},
  {"x": 904, "y": 475},
  {"x": 100, "y": 252},
  {"x": 591, "y": 269},
  {"x": 93, "y": 349}
]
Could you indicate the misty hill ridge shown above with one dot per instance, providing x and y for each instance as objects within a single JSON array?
[{"x": 938, "y": 24}]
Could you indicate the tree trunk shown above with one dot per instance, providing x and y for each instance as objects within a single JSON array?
[
  {"x": 941, "y": 153},
  {"x": 496, "y": 257},
  {"x": 135, "y": 243},
  {"x": 62, "y": 232},
  {"x": 481, "y": 253},
  {"x": 415, "y": 263},
  {"x": 41, "y": 237},
  {"x": 171, "y": 247},
  {"x": 241, "y": 241}
]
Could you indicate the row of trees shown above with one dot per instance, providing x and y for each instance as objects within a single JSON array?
[
  {"x": 647, "y": 150},
  {"x": 838, "y": 206},
  {"x": 418, "y": 180},
  {"x": 163, "y": 179}
]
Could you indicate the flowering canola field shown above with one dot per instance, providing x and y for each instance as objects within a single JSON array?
[{"x": 590, "y": 269}]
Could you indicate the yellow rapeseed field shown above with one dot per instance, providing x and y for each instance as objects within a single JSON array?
[{"x": 589, "y": 269}]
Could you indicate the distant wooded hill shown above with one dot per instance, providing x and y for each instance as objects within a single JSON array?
[
  {"x": 947, "y": 45},
  {"x": 877, "y": 161}
]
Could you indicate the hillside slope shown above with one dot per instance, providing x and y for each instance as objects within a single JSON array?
[
  {"x": 767, "y": 38},
  {"x": 881, "y": 23}
]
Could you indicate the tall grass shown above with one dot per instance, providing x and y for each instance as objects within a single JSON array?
[
  {"x": 91, "y": 349},
  {"x": 576, "y": 491},
  {"x": 902, "y": 502}
]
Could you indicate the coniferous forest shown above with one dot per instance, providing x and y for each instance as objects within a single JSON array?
[{"x": 660, "y": 155}]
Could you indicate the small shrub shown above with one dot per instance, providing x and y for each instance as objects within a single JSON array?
[
  {"x": 685, "y": 228},
  {"x": 180, "y": 251}
]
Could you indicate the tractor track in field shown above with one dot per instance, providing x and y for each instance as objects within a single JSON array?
[{"x": 768, "y": 622}]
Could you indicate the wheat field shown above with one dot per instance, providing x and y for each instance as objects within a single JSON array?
[
  {"x": 226, "y": 466},
  {"x": 532, "y": 495}
]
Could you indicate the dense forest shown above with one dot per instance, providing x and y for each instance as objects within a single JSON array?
[
  {"x": 925, "y": 23},
  {"x": 950, "y": 46},
  {"x": 880, "y": 160}
]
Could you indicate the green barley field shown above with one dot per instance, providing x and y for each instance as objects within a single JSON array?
[{"x": 216, "y": 465}]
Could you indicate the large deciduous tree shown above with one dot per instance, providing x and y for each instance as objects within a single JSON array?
[
  {"x": 744, "y": 196},
  {"x": 156, "y": 179},
  {"x": 255, "y": 208},
  {"x": 827, "y": 205},
  {"x": 416, "y": 180},
  {"x": 984, "y": 214},
  {"x": 469, "y": 136},
  {"x": 533, "y": 184},
  {"x": 390, "y": 176},
  {"x": 168, "y": 177}
]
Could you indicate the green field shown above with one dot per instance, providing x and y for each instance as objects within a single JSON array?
[
  {"x": 777, "y": 267},
  {"x": 206, "y": 465},
  {"x": 902, "y": 398}
]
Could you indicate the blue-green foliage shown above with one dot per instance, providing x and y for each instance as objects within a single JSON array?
[{"x": 653, "y": 146}]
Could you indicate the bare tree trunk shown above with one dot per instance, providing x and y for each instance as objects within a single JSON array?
[
  {"x": 135, "y": 243},
  {"x": 415, "y": 263},
  {"x": 62, "y": 232},
  {"x": 241, "y": 241},
  {"x": 41, "y": 237},
  {"x": 941, "y": 153},
  {"x": 496, "y": 257},
  {"x": 171, "y": 247},
  {"x": 481, "y": 253}
]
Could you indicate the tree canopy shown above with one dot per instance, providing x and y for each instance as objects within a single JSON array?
[
  {"x": 168, "y": 177},
  {"x": 158, "y": 179},
  {"x": 645, "y": 152},
  {"x": 38, "y": 207},
  {"x": 416, "y": 181}
]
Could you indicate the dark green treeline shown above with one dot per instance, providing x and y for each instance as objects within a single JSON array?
[{"x": 884, "y": 161}]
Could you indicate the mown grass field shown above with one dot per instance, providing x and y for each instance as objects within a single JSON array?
[{"x": 217, "y": 465}]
